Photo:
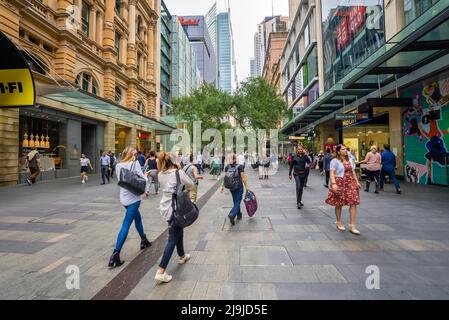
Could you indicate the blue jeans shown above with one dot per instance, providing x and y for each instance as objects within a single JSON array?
[
  {"x": 392, "y": 177},
  {"x": 105, "y": 173},
  {"x": 237, "y": 196},
  {"x": 175, "y": 239},
  {"x": 132, "y": 214}
]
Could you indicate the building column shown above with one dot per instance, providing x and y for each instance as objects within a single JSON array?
[
  {"x": 396, "y": 138},
  {"x": 9, "y": 146},
  {"x": 109, "y": 136},
  {"x": 123, "y": 51},
  {"x": 150, "y": 46},
  {"x": 109, "y": 84},
  {"x": 99, "y": 33},
  {"x": 131, "y": 137},
  {"x": 65, "y": 61},
  {"x": 131, "y": 97},
  {"x": 108, "y": 32},
  {"x": 131, "y": 59},
  {"x": 92, "y": 23}
]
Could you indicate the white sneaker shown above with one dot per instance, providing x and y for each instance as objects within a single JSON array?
[
  {"x": 185, "y": 259},
  {"x": 83, "y": 181},
  {"x": 163, "y": 277}
]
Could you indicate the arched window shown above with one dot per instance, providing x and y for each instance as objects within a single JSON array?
[
  {"x": 86, "y": 82},
  {"x": 118, "y": 95},
  {"x": 35, "y": 63},
  {"x": 141, "y": 106}
]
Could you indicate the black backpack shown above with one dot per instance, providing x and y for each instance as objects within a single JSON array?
[
  {"x": 232, "y": 179},
  {"x": 185, "y": 212}
]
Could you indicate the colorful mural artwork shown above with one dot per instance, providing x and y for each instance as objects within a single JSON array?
[{"x": 426, "y": 133}]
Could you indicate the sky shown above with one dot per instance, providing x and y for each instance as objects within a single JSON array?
[{"x": 245, "y": 15}]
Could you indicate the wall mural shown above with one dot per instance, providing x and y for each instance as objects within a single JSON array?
[{"x": 426, "y": 133}]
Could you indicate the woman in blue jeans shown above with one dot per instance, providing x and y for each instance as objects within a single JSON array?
[
  {"x": 167, "y": 180},
  {"x": 131, "y": 202},
  {"x": 237, "y": 194}
]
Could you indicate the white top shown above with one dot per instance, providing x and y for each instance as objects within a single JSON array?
[
  {"x": 105, "y": 161},
  {"x": 167, "y": 180},
  {"x": 127, "y": 198},
  {"x": 84, "y": 162},
  {"x": 240, "y": 159},
  {"x": 199, "y": 159},
  {"x": 339, "y": 168}
]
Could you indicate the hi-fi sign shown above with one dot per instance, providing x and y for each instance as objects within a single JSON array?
[{"x": 16, "y": 81}]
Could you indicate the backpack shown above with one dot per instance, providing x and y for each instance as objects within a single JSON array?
[
  {"x": 185, "y": 212},
  {"x": 250, "y": 203},
  {"x": 232, "y": 179}
]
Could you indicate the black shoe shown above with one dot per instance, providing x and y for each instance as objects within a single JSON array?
[
  {"x": 144, "y": 243},
  {"x": 398, "y": 191},
  {"x": 239, "y": 216},
  {"x": 366, "y": 190},
  {"x": 115, "y": 261},
  {"x": 103, "y": 183},
  {"x": 376, "y": 191},
  {"x": 299, "y": 205},
  {"x": 231, "y": 219},
  {"x": 325, "y": 186}
]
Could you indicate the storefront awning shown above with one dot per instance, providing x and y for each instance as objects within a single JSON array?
[
  {"x": 421, "y": 42},
  {"x": 81, "y": 99}
]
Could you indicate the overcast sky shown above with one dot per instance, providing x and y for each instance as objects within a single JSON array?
[{"x": 245, "y": 15}]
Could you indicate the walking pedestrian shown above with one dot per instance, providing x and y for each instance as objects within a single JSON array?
[
  {"x": 298, "y": 167},
  {"x": 192, "y": 172},
  {"x": 152, "y": 173},
  {"x": 326, "y": 165},
  {"x": 85, "y": 164},
  {"x": 167, "y": 179},
  {"x": 241, "y": 160},
  {"x": 388, "y": 168},
  {"x": 344, "y": 190},
  {"x": 105, "y": 165},
  {"x": 34, "y": 164},
  {"x": 236, "y": 181},
  {"x": 141, "y": 159},
  {"x": 131, "y": 202},
  {"x": 216, "y": 167},
  {"x": 374, "y": 164},
  {"x": 113, "y": 163},
  {"x": 199, "y": 162},
  {"x": 321, "y": 162}
]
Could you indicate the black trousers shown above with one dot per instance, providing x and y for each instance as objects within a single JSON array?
[
  {"x": 328, "y": 176},
  {"x": 300, "y": 182}
]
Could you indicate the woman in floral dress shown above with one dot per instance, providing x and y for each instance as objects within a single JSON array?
[{"x": 344, "y": 189}]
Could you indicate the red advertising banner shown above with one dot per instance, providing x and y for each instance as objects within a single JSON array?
[
  {"x": 342, "y": 32},
  {"x": 356, "y": 18}
]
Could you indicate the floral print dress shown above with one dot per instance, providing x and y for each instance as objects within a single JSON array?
[{"x": 348, "y": 193}]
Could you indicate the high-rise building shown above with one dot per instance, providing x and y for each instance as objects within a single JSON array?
[
  {"x": 196, "y": 29},
  {"x": 252, "y": 64},
  {"x": 211, "y": 22},
  {"x": 224, "y": 52},
  {"x": 268, "y": 25},
  {"x": 166, "y": 52}
]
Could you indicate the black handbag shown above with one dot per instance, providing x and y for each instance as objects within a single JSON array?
[{"x": 131, "y": 181}]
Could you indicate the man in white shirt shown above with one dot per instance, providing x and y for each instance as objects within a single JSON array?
[{"x": 199, "y": 162}]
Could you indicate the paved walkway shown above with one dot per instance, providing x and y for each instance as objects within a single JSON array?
[
  {"x": 281, "y": 253},
  {"x": 284, "y": 253},
  {"x": 49, "y": 226}
]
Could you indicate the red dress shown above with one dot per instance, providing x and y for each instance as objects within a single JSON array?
[{"x": 348, "y": 193}]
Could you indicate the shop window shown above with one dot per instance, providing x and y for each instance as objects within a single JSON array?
[
  {"x": 85, "y": 19},
  {"x": 118, "y": 94},
  {"x": 86, "y": 82}
]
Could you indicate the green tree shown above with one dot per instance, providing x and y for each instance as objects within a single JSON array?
[{"x": 257, "y": 105}]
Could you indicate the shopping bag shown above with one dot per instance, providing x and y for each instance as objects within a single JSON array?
[{"x": 250, "y": 203}]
